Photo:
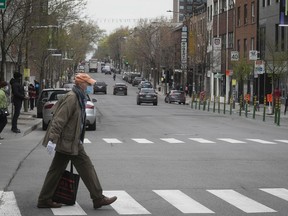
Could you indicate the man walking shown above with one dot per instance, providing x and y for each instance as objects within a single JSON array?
[{"x": 65, "y": 135}]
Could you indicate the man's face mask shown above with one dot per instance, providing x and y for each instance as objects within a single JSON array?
[{"x": 89, "y": 90}]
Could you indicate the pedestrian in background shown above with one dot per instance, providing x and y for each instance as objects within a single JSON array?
[
  {"x": 18, "y": 95},
  {"x": 65, "y": 137},
  {"x": 3, "y": 105},
  {"x": 32, "y": 95}
]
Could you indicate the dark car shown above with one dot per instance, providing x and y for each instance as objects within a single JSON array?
[
  {"x": 145, "y": 84},
  {"x": 100, "y": 87},
  {"x": 120, "y": 88},
  {"x": 147, "y": 95},
  {"x": 137, "y": 80},
  {"x": 175, "y": 96}
]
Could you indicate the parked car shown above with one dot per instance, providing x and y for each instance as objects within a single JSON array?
[
  {"x": 145, "y": 84},
  {"x": 147, "y": 95},
  {"x": 45, "y": 94},
  {"x": 48, "y": 109},
  {"x": 137, "y": 80},
  {"x": 68, "y": 85},
  {"x": 120, "y": 88},
  {"x": 100, "y": 87},
  {"x": 175, "y": 96}
]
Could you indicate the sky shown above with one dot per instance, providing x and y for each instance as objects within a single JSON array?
[{"x": 112, "y": 14}]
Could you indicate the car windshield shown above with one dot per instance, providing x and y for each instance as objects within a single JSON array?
[
  {"x": 147, "y": 90},
  {"x": 57, "y": 95}
]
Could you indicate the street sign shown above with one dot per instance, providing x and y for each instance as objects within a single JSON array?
[
  {"x": 218, "y": 75},
  {"x": 2, "y": 4},
  {"x": 253, "y": 55},
  {"x": 259, "y": 67},
  {"x": 234, "y": 56},
  {"x": 217, "y": 43}
]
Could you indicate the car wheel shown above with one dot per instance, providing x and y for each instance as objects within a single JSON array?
[
  {"x": 125, "y": 93},
  {"x": 105, "y": 92},
  {"x": 138, "y": 103},
  {"x": 44, "y": 126},
  {"x": 154, "y": 104},
  {"x": 170, "y": 101},
  {"x": 93, "y": 126},
  {"x": 114, "y": 93}
]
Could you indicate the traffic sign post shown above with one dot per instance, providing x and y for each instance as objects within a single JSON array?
[{"x": 2, "y": 4}]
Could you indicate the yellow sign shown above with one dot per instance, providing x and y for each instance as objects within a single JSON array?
[
  {"x": 26, "y": 72},
  {"x": 233, "y": 82}
]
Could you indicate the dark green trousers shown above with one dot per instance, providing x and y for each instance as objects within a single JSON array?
[{"x": 84, "y": 167}]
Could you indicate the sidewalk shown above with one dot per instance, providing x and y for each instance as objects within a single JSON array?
[{"x": 27, "y": 122}]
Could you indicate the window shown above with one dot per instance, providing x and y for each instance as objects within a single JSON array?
[
  {"x": 268, "y": 2},
  {"x": 230, "y": 39},
  {"x": 238, "y": 45},
  {"x": 238, "y": 16},
  {"x": 245, "y": 15},
  {"x": 253, "y": 12},
  {"x": 215, "y": 8},
  {"x": 263, "y": 3},
  {"x": 252, "y": 46},
  {"x": 245, "y": 48},
  {"x": 282, "y": 38},
  {"x": 277, "y": 37}
]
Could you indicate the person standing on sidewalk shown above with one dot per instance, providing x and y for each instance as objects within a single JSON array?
[
  {"x": 3, "y": 105},
  {"x": 32, "y": 96},
  {"x": 65, "y": 137},
  {"x": 18, "y": 95}
]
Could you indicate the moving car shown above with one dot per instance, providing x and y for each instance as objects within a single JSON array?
[
  {"x": 120, "y": 88},
  {"x": 145, "y": 84},
  {"x": 175, "y": 96},
  {"x": 100, "y": 87},
  {"x": 45, "y": 94},
  {"x": 147, "y": 95},
  {"x": 48, "y": 109},
  {"x": 106, "y": 69},
  {"x": 137, "y": 80}
]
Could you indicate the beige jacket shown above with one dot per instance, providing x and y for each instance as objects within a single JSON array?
[{"x": 65, "y": 128}]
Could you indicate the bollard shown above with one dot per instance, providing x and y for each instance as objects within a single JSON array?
[
  {"x": 254, "y": 109},
  {"x": 279, "y": 111},
  {"x": 231, "y": 105},
  {"x": 214, "y": 104},
  {"x": 240, "y": 111},
  {"x": 264, "y": 109},
  {"x": 224, "y": 111},
  {"x": 199, "y": 102},
  {"x": 192, "y": 100},
  {"x": 219, "y": 104},
  {"x": 246, "y": 108},
  {"x": 204, "y": 103},
  {"x": 209, "y": 100},
  {"x": 196, "y": 101},
  {"x": 276, "y": 111}
]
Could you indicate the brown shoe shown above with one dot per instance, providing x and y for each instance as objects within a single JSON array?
[
  {"x": 49, "y": 204},
  {"x": 104, "y": 201}
]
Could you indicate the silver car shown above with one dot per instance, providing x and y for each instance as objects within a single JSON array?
[{"x": 52, "y": 100}]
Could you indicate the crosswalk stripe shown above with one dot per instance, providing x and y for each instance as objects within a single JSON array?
[
  {"x": 8, "y": 204},
  {"x": 182, "y": 202},
  {"x": 69, "y": 210},
  {"x": 144, "y": 141},
  {"x": 86, "y": 140},
  {"x": 241, "y": 202},
  {"x": 111, "y": 140},
  {"x": 171, "y": 140},
  {"x": 284, "y": 141},
  {"x": 125, "y": 204},
  {"x": 201, "y": 140},
  {"x": 230, "y": 140},
  {"x": 261, "y": 141},
  {"x": 278, "y": 192}
]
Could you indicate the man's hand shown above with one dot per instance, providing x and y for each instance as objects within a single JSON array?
[{"x": 51, "y": 148}]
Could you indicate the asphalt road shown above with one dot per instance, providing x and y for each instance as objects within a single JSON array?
[{"x": 165, "y": 160}]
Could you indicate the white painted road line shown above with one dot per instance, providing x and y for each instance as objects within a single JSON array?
[
  {"x": 86, "y": 140},
  {"x": 231, "y": 140},
  {"x": 144, "y": 141},
  {"x": 125, "y": 204},
  {"x": 171, "y": 140},
  {"x": 69, "y": 210},
  {"x": 112, "y": 140},
  {"x": 201, "y": 140},
  {"x": 241, "y": 202},
  {"x": 182, "y": 202},
  {"x": 283, "y": 141},
  {"x": 278, "y": 192},
  {"x": 8, "y": 204},
  {"x": 261, "y": 141}
]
